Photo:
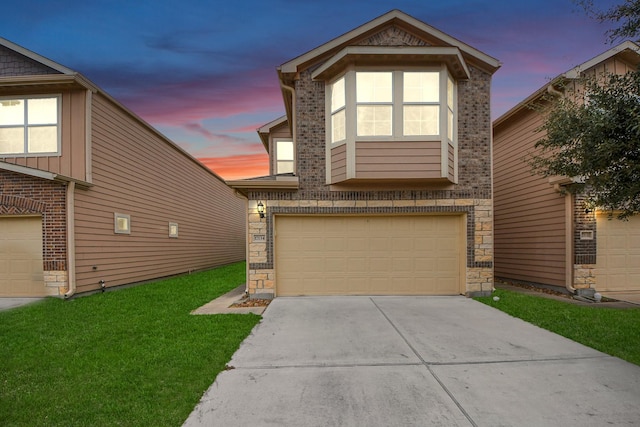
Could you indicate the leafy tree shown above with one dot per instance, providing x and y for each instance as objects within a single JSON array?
[
  {"x": 627, "y": 14},
  {"x": 594, "y": 137}
]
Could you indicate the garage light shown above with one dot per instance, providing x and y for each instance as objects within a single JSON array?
[{"x": 261, "y": 209}]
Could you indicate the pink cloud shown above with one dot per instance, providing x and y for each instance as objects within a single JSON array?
[
  {"x": 193, "y": 101},
  {"x": 238, "y": 166}
]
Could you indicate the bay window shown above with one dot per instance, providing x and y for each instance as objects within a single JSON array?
[
  {"x": 411, "y": 104},
  {"x": 30, "y": 126}
]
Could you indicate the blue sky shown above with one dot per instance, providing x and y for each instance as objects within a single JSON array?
[{"x": 203, "y": 72}]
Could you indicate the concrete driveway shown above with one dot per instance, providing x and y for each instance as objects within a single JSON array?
[{"x": 414, "y": 361}]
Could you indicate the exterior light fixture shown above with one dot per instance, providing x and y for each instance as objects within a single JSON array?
[{"x": 261, "y": 209}]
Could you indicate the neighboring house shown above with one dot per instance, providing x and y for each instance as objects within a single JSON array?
[
  {"x": 91, "y": 196},
  {"x": 543, "y": 235},
  {"x": 380, "y": 172}
]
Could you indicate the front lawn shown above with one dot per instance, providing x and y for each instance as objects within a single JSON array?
[
  {"x": 133, "y": 357},
  {"x": 612, "y": 331}
]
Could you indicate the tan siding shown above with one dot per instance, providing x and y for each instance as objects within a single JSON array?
[
  {"x": 71, "y": 162},
  {"x": 339, "y": 163},
  {"x": 135, "y": 172},
  {"x": 451, "y": 162},
  {"x": 381, "y": 160},
  {"x": 529, "y": 214}
]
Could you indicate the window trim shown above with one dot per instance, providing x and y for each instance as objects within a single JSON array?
[
  {"x": 397, "y": 125},
  {"x": 173, "y": 230},
  {"x": 116, "y": 228},
  {"x": 277, "y": 160},
  {"x": 25, "y": 126}
]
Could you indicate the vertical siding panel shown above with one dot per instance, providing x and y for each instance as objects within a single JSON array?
[
  {"x": 136, "y": 172},
  {"x": 529, "y": 214}
]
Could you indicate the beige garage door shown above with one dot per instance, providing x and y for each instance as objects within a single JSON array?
[
  {"x": 369, "y": 255},
  {"x": 21, "y": 272},
  {"x": 618, "y": 256}
]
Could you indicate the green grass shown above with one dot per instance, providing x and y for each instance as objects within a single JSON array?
[
  {"x": 610, "y": 330},
  {"x": 133, "y": 357}
]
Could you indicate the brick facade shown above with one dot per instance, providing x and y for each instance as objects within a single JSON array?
[
  {"x": 472, "y": 196},
  {"x": 25, "y": 195}
]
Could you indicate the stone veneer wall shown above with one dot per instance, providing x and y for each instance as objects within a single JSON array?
[
  {"x": 584, "y": 263},
  {"x": 25, "y": 195}
]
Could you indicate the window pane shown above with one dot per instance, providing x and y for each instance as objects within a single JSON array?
[
  {"x": 285, "y": 167},
  {"x": 42, "y": 111},
  {"x": 337, "y": 95},
  {"x": 374, "y": 120},
  {"x": 374, "y": 87},
  {"x": 450, "y": 93},
  {"x": 284, "y": 150},
  {"x": 338, "y": 131},
  {"x": 12, "y": 112},
  {"x": 450, "y": 124},
  {"x": 421, "y": 120},
  {"x": 43, "y": 139},
  {"x": 422, "y": 87},
  {"x": 11, "y": 140}
]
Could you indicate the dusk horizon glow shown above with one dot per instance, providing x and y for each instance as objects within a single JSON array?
[{"x": 204, "y": 73}]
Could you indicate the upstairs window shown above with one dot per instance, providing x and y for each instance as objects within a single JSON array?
[
  {"x": 30, "y": 126},
  {"x": 421, "y": 103},
  {"x": 374, "y": 98},
  {"x": 338, "y": 118},
  {"x": 284, "y": 156},
  {"x": 412, "y": 104}
]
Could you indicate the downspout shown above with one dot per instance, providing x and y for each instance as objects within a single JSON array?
[
  {"x": 246, "y": 233},
  {"x": 292, "y": 90},
  {"x": 71, "y": 240},
  {"x": 568, "y": 238}
]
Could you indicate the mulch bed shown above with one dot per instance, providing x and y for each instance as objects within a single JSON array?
[{"x": 250, "y": 302}]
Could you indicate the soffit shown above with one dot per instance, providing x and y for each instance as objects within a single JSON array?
[{"x": 402, "y": 56}]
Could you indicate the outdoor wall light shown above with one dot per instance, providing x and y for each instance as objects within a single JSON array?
[{"x": 261, "y": 209}]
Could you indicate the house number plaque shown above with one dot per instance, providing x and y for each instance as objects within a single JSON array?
[{"x": 259, "y": 237}]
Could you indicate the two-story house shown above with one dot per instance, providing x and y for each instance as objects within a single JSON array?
[
  {"x": 546, "y": 236},
  {"x": 380, "y": 171},
  {"x": 93, "y": 197}
]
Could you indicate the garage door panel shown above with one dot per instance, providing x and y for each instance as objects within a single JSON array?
[
  {"x": 369, "y": 255},
  {"x": 21, "y": 271},
  {"x": 618, "y": 254}
]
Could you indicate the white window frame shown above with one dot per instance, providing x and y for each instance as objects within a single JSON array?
[
  {"x": 121, "y": 223},
  {"x": 447, "y": 126},
  {"x": 26, "y": 126},
  {"x": 173, "y": 230},
  {"x": 277, "y": 159}
]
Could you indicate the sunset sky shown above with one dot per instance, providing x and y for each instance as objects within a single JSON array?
[{"x": 203, "y": 71}]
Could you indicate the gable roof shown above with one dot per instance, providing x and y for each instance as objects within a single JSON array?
[
  {"x": 64, "y": 78},
  {"x": 627, "y": 51},
  {"x": 395, "y": 17}
]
